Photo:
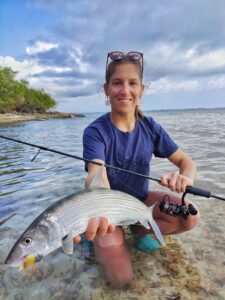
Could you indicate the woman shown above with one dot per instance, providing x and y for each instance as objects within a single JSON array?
[{"x": 126, "y": 139}]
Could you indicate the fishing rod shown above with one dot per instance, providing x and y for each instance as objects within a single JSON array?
[{"x": 190, "y": 189}]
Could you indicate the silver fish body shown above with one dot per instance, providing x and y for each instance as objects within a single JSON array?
[{"x": 69, "y": 217}]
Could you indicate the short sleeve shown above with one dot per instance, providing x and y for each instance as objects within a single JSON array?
[
  {"x": 93, "y": 145},
  {"x": 164, "y": 146}
]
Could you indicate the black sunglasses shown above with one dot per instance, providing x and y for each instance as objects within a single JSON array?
[{"x": 133, "y": 56}]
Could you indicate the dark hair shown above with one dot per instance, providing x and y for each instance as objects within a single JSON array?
[{"x": 111, "y": 69}]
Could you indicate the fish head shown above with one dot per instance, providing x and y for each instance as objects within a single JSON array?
[{"x": 34, "y": 242}]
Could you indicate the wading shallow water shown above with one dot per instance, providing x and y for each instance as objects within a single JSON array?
[{"x": 27, "y": 188}]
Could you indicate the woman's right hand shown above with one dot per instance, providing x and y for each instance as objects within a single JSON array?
[{"x": 96, "y": 226}]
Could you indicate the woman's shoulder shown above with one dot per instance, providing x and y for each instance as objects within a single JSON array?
[
  {"x": 149, "y": 122},
  {"x": 100, "y": 122},
  {"x": 99, "y": 127}
]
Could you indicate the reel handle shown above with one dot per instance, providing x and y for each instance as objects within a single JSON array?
[
  {"x": 196, "y": 191},
  {"x": 192, "y": 210}
]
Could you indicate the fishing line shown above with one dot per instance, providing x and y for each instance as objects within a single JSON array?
[{"x": 191, "y": 189}]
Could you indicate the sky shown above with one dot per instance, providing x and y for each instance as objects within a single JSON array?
[{"x": 61, "y": 47}]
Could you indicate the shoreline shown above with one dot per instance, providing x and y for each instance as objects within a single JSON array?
[{"x": 9, "y": 118}]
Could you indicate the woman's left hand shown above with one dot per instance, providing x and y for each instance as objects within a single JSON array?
[{"x": 176, "y": 182}]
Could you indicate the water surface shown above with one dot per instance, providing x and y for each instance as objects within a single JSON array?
[{"x": 27, "y": 188}]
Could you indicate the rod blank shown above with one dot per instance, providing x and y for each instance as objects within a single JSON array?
[{"x": 190, "y": 189}]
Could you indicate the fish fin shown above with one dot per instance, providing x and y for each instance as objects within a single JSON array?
[
  {"x": 156, "y": 230},
  {"x": 55, "y": 230},
  {"x": 145, "y": 223},
  {"x": 67, "y": 243},
  {"x": 97, "y": 181},
  {"x": 151, "y": 223}
]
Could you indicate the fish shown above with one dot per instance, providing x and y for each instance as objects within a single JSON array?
[{"x": 57, "y": 225}]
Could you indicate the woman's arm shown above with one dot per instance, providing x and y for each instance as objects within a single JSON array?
[
  {"x": 96, "y": 225},
  {"x": 178, "y": 181},
  {"x": 93, "y": 169}
]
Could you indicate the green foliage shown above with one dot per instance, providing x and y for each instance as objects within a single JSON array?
[{"x": 17, "y": 96}]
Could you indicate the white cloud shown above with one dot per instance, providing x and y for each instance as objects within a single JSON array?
[
  {"x": 28, "y": 67},
  {"x": 25, "y": 67},
  {"x": 166, "y": 85},
  {"x": 172, "y": 60},
  {"x": 208, "y": 61},
  {"x": 218, "y": 83},
  {"x": 39, "y": 47},
  {"x": 77, "y": 55},
  {"x": 60, "y": 88}
]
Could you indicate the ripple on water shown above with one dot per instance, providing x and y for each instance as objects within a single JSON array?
[{"x": 27, "y": 188}]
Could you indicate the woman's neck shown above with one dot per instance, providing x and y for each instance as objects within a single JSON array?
[{"x": 124, "y": 122}]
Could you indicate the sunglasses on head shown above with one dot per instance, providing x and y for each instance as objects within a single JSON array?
[{"x": 133, "y": 56}]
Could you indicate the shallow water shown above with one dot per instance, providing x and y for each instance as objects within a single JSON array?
[{"x": 27, "y": 188}]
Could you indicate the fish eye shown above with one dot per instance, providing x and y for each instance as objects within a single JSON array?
[{"x": 27, "y": 241}]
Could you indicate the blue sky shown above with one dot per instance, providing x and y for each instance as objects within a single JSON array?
[{"x": 61, "y": 46}]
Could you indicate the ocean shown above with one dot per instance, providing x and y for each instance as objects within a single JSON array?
[{"x": 27, "y": 188}]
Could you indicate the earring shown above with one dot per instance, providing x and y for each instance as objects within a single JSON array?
[
  {"x": 140, "y": 101},
  {"x": 107, "y": 102}
]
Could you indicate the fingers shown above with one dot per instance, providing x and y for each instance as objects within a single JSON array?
[
  {"x": 176, "y": 182},
  {"x": 98, "y": 226},
  {"x": 111, "y": 228},
  {"x": 92, "y": 228},
  {"x": 103, "y": 226}
]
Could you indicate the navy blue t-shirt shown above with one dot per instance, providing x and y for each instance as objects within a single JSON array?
[{"x": 128, "y": 150}]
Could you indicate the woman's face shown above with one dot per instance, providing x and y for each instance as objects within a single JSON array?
[{"x": 124, "y": 88}]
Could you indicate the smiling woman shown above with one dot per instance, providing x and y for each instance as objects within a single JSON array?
[
  {"x": 125, "y": 138},
  {"x": 125, "y": 78}
]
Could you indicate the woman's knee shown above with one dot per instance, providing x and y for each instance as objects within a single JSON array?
[{"x": 113, "y": 239}]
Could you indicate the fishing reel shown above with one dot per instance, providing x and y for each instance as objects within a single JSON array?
[{"x": 175, "y": 210}]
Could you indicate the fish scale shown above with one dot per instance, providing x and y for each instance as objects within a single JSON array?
[
  {"x": 96, "y": 205},
  {"x": 69, "y": 217}
]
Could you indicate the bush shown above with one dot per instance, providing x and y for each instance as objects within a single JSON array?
[{"x": 17, "y": 96}]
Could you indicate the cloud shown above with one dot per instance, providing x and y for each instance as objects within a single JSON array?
[
  {"x": 64, "y": 73},
  {"x": 164, "y": 85},
  {"x": 39, "y": 47},
  {"x": 60, "y": 70},
  {"x": 171, "y": 60},
  {"x": 183, "y": 45},
  {"x": 25, "y": 68}
]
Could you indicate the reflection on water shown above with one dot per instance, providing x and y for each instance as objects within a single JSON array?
[{"x": 27, "y": 188}]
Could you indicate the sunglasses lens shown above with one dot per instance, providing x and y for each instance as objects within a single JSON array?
[
  {"x": 134, "y": 56},
  {"x": 116, "y": 55}
]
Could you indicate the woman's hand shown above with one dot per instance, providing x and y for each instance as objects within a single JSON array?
[
  {"x": 96, "y": 226},
  {"x": 176, "y": 182}
]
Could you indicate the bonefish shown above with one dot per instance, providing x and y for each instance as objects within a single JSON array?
[{"x": 59, "y": 223}]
